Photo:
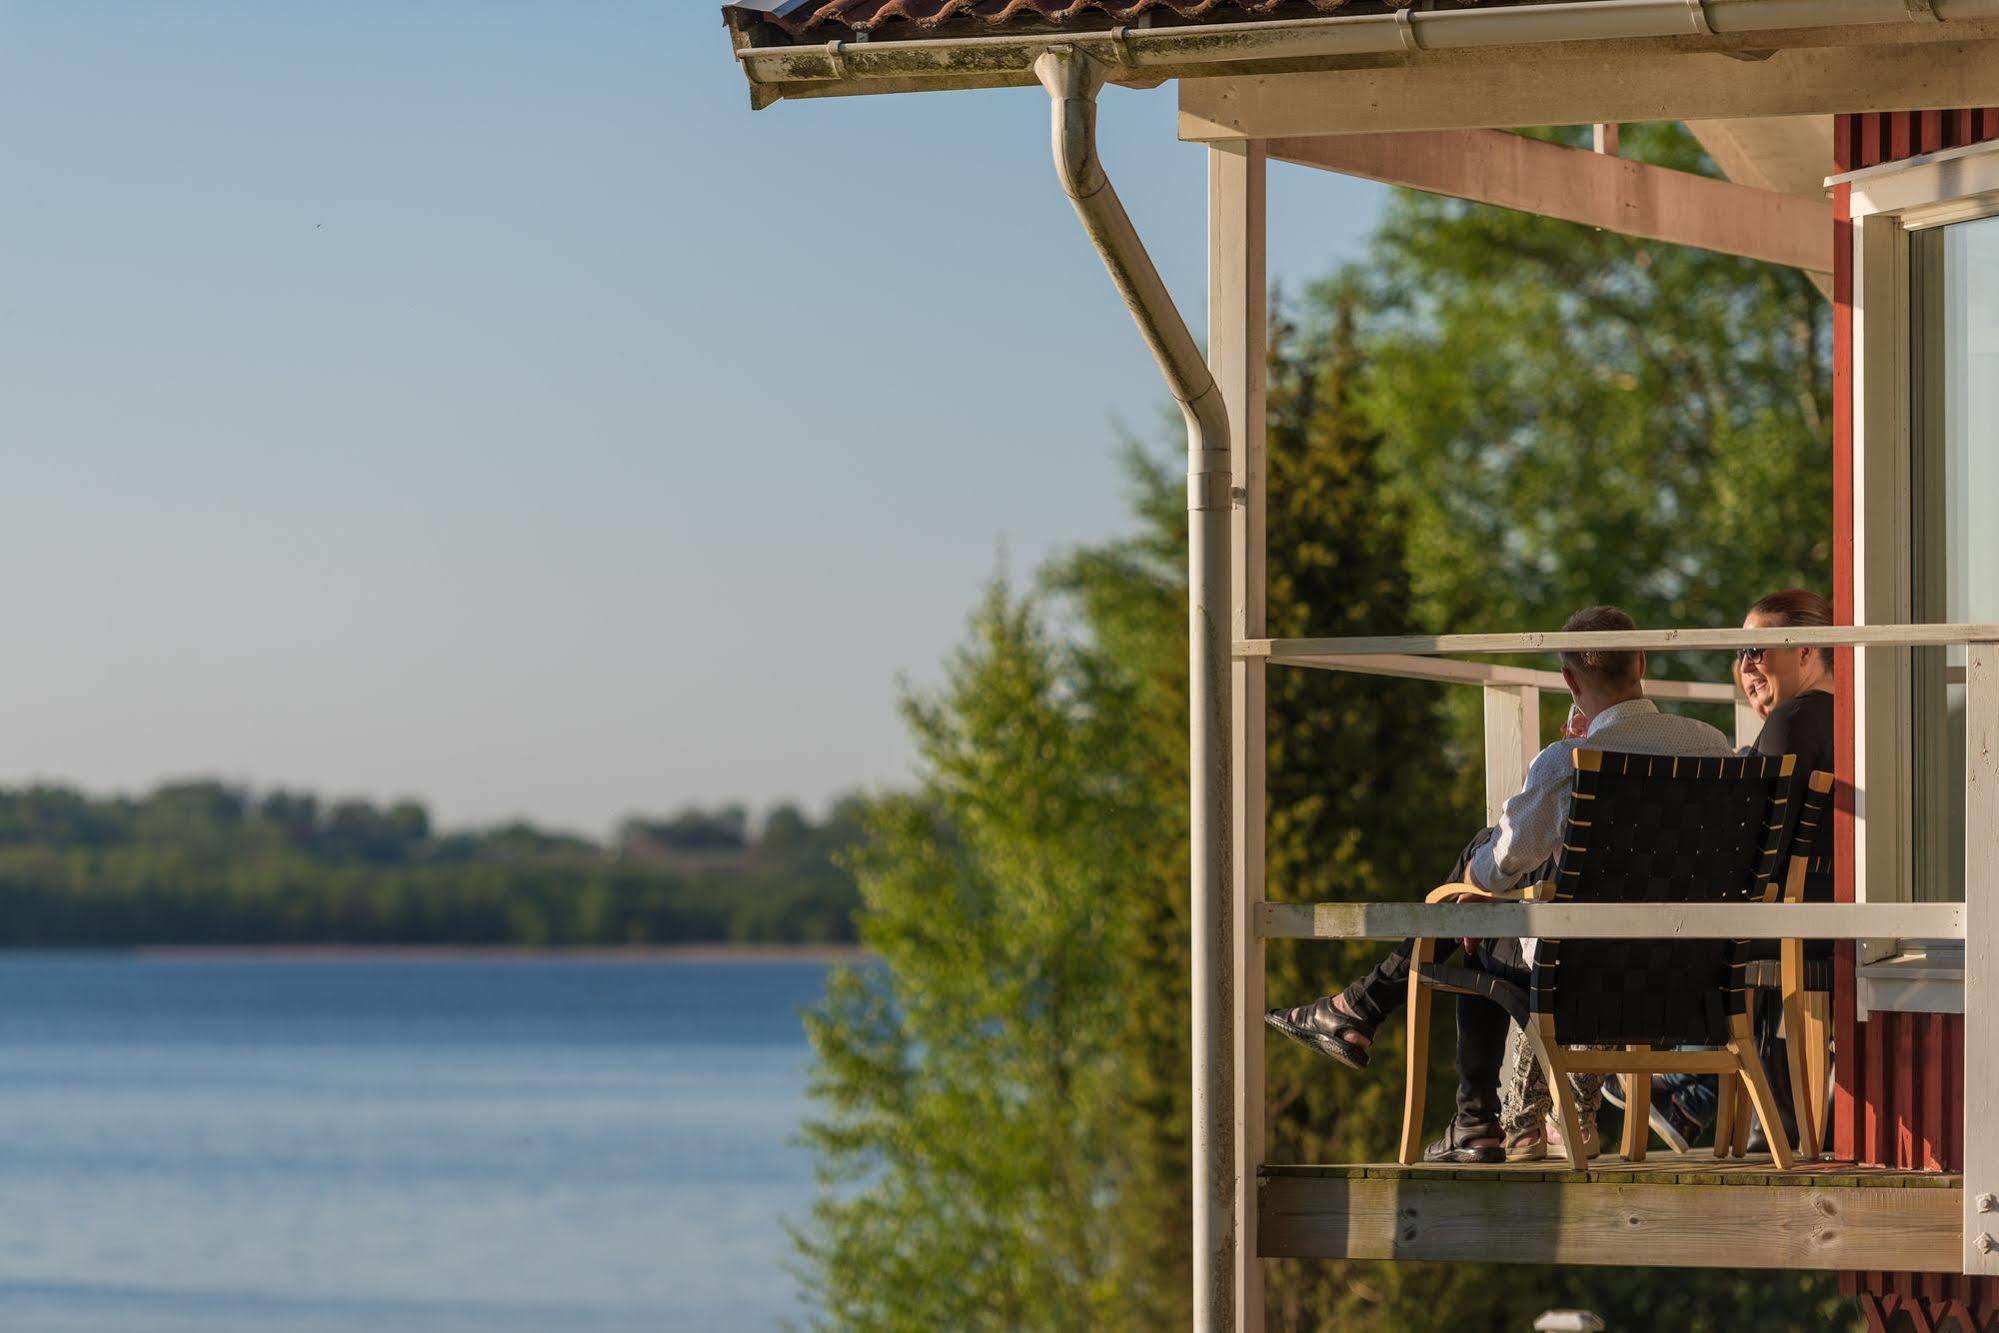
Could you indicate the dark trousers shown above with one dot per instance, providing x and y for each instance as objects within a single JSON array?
[{"x": 1482, "y": 1025}]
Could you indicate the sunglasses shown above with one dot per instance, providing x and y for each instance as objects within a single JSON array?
[{"x": 1751, "y": 656}]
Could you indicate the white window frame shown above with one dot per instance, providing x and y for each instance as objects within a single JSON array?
[{"x": 1887, "y": 203}]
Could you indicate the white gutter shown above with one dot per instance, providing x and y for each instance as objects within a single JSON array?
[
  {"x": 1136, "y": 54},
  {"x": 1073, "y": 81}
]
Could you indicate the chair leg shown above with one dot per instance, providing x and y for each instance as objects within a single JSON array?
[
  {"x": 1744, "y": 1109},
  {"x": 1541, "y": 1032},
  {"x": 1637, "y": 1113},
  {"x": 1756, "y": 1083},
  {"x": 1416, "y": 1062},
  {"x": 1817, "y": 1038},
  {"x": 1724, "y": 1114},
  {"x": 1798, "y": 1057}
]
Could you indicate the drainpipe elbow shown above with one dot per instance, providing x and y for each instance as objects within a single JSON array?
[{"x": 1073, "y": 81}]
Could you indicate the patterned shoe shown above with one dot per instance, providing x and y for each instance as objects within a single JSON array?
[{"x": 1592, "y": 1146}]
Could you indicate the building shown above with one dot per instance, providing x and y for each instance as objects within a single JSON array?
[{"x": 1860, "y": 146}]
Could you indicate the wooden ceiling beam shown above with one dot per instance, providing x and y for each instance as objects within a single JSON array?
[{"x": 1577, "y": 185}]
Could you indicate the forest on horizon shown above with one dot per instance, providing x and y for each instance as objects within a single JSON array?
[{"x": 204, "y": 862}]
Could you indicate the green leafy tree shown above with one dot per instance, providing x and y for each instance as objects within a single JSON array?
[
  {"x": 974, "y": 1134},
  {"x": 1495, "y": 420}
]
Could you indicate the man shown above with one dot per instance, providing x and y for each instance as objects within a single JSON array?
[{"x": 1613, "y": 714}]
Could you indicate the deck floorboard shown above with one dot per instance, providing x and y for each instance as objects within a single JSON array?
[
  {"x": 1666, "y": 1211},
  {"x": 1695, "y": 1168}
]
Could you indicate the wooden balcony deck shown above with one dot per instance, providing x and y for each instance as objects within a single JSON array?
[{"x": 1668, "y": 1211}]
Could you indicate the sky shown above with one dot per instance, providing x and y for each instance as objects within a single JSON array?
[{"x": 476, "y": 401}]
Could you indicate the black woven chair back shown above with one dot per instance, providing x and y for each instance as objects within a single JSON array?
[
  {"x": 1659, "y": 829},
  {"x": 1809, "y": 835}
]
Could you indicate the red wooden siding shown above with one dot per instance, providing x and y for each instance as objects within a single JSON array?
[{"x": 1899, "y": 1077}]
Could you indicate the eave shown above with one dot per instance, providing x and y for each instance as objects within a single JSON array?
[{"x": 1144, "y": 56}]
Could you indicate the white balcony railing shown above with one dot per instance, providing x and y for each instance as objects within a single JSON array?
[{"x": 1512, "y": 734}]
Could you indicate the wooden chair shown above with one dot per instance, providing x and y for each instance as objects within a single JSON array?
[
  {"x": 1641, "y": 829},
  {"x": 1801, "y": 973}
]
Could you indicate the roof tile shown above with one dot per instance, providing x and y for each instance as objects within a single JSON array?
[{"x": 823, "y": 19}]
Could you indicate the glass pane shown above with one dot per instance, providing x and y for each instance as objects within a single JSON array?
[{"x": 1955, "y": 381}]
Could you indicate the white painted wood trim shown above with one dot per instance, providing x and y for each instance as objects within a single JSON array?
[
  {"x": 1552, "y": 86},
  {"x": 1578, "y": 185},
  {"x": 1512, "y": 739},
  {"x": 1881, "y": 554},
  {"x": 1914, "y": 985},
  {"x": 1613, "y": 921},
  {"x": 1657, "y": 640},
  {"x": 1864, "y": 176},
  {"x": 1748, "y": 722},
  {"x": 1939, "y": 188},
  {"x": 1981, "y": 961},
  {"x": 1448, "y": 671},
  {"x": 1237, "y": 330}
]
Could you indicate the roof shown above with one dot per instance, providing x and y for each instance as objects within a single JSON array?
[{"x": 783, "y": 22}]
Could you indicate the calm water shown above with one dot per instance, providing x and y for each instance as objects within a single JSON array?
[{"x": 301, "y": 1147}]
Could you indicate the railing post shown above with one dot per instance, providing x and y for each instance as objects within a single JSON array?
[
  {"x": 1748, "y": 722},
  {"x": 1512, "y": 739},
  {"x": 1236, "y": 336},
  {"x": 1981, "y": 961}
]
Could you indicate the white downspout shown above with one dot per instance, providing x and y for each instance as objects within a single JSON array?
[{"x": 1072, "y": 81}]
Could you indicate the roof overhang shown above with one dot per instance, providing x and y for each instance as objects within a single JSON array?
[{"x": 780, "y": 62}]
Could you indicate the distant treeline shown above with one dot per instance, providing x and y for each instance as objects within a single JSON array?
[{"x": 211, "y": 863}]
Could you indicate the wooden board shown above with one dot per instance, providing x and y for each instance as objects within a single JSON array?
[
  {"x": 1543, "y": 86},
  {"x": 1653, "y": 640},
  {"x": 1981, "y": 963},
  {"x": 1622, "y": 1215},
  {"x": 1611, "y": 921},
  {"x": 1237, "y": 321},
  {"x": 1450, "y": 671},
  {"x": 1578, "y": 185}
]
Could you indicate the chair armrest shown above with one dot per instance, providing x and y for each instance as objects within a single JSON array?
[{"x": 1472, "y": 893}]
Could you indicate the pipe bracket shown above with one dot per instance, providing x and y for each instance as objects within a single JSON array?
[
  {"x": 1697, "y": 10},
  {"x": 1209, "y": 491},
  {"x": 1405, "y": 27}
]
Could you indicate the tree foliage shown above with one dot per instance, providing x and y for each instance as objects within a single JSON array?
[
  {"x": 1492, "y": 421},
  {"x": 205, "y": 862}
]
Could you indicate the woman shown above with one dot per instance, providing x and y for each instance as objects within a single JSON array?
[{"x": 1791, "y": 690}]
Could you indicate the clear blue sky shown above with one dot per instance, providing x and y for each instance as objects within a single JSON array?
[{"x": 477, "y": 401}]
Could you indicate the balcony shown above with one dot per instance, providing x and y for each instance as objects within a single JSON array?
[{"x": 1691, "y": 1210}]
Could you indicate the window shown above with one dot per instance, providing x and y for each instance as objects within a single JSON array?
[
  {"x": 1926, "y": 509},
  {"x": 1954, "y": 493}
]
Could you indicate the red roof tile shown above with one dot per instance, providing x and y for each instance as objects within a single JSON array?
[{"x": 822, "y": 20}]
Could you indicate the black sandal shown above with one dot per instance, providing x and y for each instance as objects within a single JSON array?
[
  {"x": 1457, "y": 1151},
  {"x": 1320, "y": 1026}
]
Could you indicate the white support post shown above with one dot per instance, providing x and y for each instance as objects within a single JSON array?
[
  {"x": 1603, "y": 138},
  {"x": 1981, "y": 962},
  {"x": 1882, "y": 573},
  {"x": 1512, "y": 739},
  {"x": 1748, "y": 723},
  {"x": 1236, "y": 337}
]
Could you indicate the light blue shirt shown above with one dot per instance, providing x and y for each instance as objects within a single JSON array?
[{"x": 1531, "y": 822}]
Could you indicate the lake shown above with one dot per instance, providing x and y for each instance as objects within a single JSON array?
[{"x": 303, "y": 1146}]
